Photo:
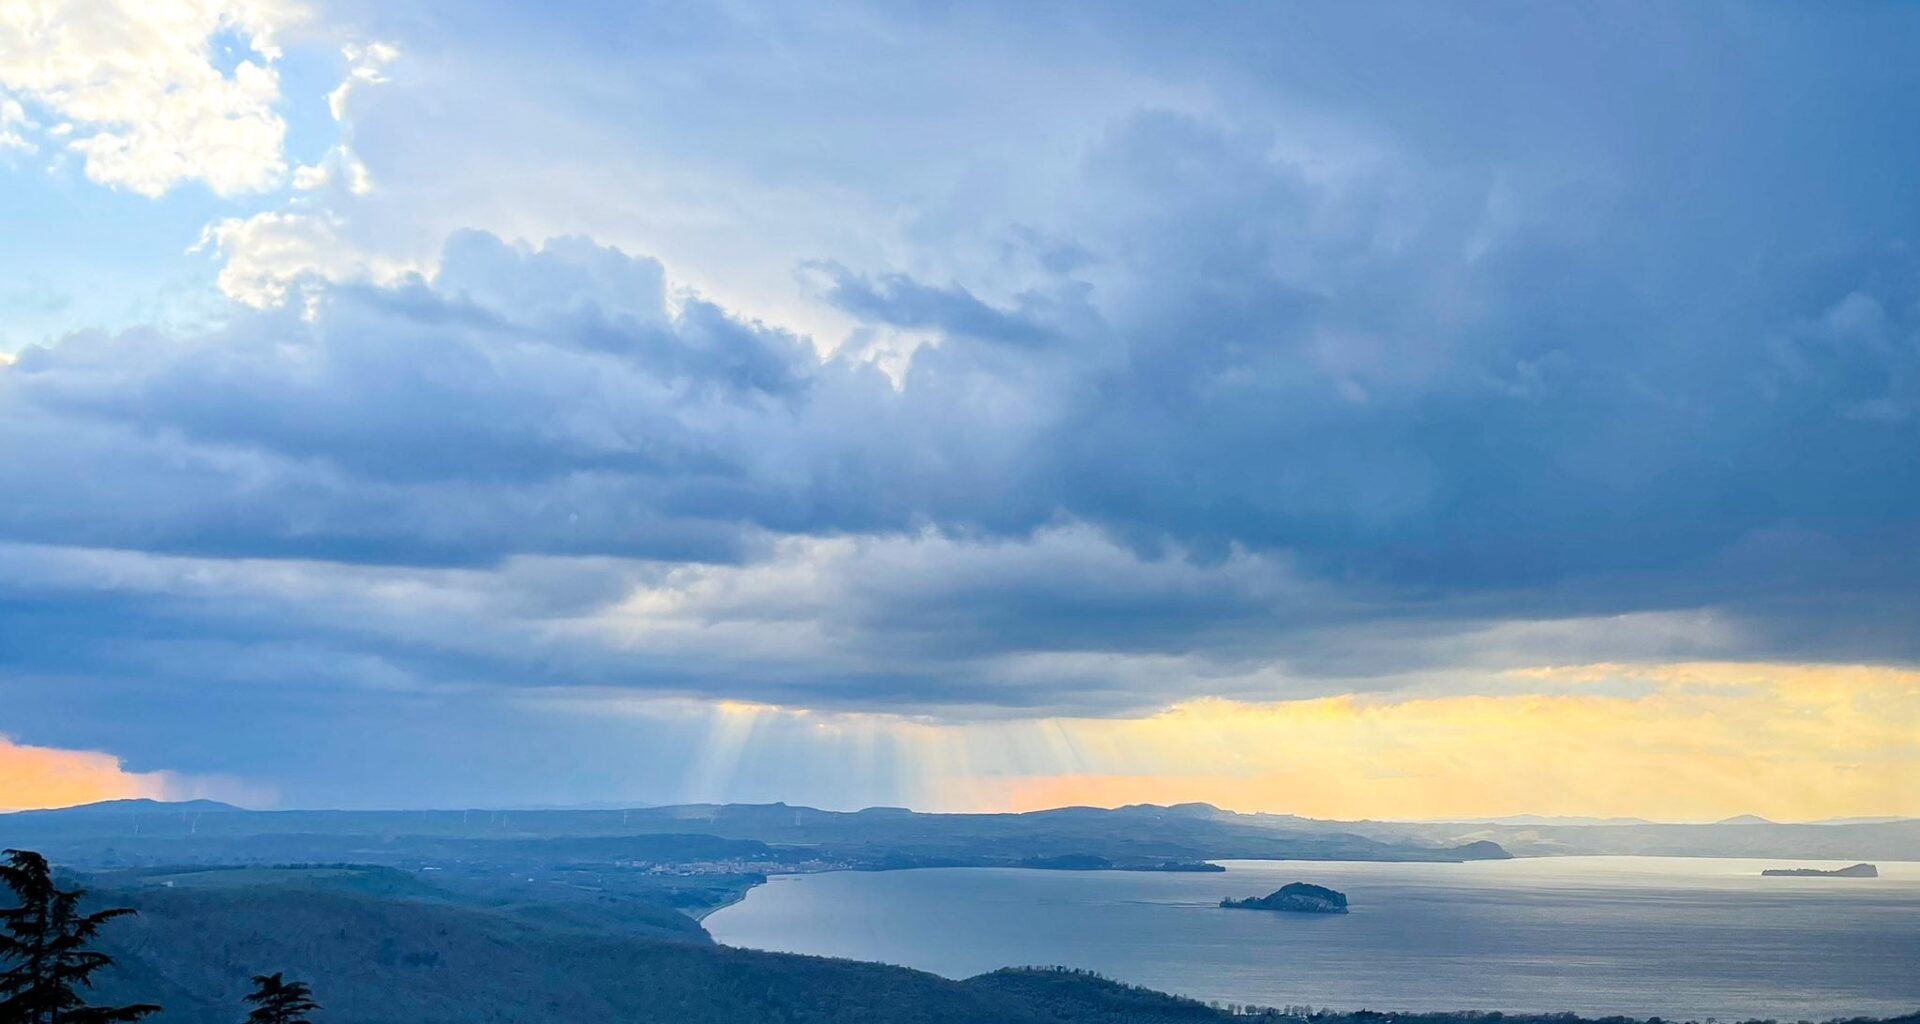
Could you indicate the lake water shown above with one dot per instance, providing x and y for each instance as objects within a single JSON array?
[{"x": 1682, "y": 938}]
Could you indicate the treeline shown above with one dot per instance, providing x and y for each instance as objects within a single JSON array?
[
  {"x": 1072, "y": 985},
  {"x": 1496, "y": 1017},
  {"x": 47, "y": 947}
]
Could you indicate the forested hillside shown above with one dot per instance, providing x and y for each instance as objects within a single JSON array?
[{"x": 375, "y": 955}]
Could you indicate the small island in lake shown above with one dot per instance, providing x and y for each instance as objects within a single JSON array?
[
  {"x": 1298, "y": 897},
  {"x": 1851, "y": 871}
]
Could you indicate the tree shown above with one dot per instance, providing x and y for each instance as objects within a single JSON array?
[
  {"x": 277, "y": 1001},
  {"x": 45, "y": 940}
]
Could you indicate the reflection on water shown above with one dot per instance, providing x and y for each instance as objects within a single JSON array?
[{"x": 1673, "y": 937}]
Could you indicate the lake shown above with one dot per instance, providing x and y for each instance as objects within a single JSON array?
[{"x": 1685, "y": 938}]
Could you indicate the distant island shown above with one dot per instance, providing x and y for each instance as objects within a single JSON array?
[
  {"x": 1296, "y": 897},
  {"x": 1851, "y": 871}
]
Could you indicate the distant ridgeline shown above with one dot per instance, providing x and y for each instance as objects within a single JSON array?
[
  {"x": 1089, "y": 862},
  {"x": 693, "y": 858},
  {"x": 698, "y": 857},
  {"x": 1850, "y": 871},
  {"x": 1294, "y": 897},
  {"x": 1140, "y": 837}
]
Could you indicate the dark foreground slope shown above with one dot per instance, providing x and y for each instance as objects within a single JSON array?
[{"x": 376, "y": 956}]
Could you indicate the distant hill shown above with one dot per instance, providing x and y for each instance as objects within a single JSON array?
[
  {"x": 1746, "y": 836},
  {"x": 204, "y": 831},
  {"x": 1129, "y": 837},
  {"x": 1553, "y": 819},
  {"x": 140, "y": 805},
  {"x": 1850, "y": 871}
]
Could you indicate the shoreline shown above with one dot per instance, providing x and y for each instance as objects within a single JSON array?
[
  {"x": 1397, "y": 896},
  {"x": 702, "y": 913}
]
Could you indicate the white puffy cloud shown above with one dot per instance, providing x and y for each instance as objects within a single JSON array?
[
  {"x": 321, "y": 234},
  {"x": 366, "y": 65},
  {"x": 13, "y": 121},
  {"x": 341, "y": 166},
  {"x": 267, "y": 254},
  {"x": 142, "y": 84}
]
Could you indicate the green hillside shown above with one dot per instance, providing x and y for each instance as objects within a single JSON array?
[{"x": 375, "y": 957}]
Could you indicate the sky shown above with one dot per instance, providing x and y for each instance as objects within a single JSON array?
[{"x": 1358, "y": 410}]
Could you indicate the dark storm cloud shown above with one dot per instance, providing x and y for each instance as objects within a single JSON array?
[
  {"x": 1319, "y": 379},
  {"x": 899, "y": 301},
  {"x": 1527, "y": 424}
]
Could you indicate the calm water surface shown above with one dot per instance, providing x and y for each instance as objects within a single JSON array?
[{"x": 1673, "y": 937}]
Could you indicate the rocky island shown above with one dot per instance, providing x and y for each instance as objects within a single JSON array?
[
  {"x": 1851, "y": 871},
  {"x": 1297, "y": 897}
]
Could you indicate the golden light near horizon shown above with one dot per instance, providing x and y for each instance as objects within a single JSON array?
[
  {"x": 33, "y": 777},
  {"x": 1701, "y": 741},
  {"x": 1683, "y": 741},
  {"x": 1691, "y": 741}
]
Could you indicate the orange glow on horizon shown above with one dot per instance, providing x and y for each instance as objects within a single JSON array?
[
  {"x": 1682, "y": 742},
  {"x": 35, "y": 777}
]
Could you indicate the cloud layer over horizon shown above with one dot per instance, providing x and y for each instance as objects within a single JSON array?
[{"x": 1288, "y": 357}]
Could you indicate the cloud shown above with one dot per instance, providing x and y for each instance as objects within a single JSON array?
[
  {"x": 320, "y": 234},
  {"x": 555, "y": 383},
  {"x": 1010, "y": 526},
  {"x": 145, "y": 92},
  {"x": 900, "y": 301},
  {"x": 44, "y": 777},
  {"x": 269, "y": 254},
  {"x": 910, "y": 622},
  {"x": 366, "y": 65},
  {"x": 14, "y": 121},
  {"x": 1264, "y": 376},
  {"x": 34, "y": 777},
  {"x": 1672, "y": 741}
]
